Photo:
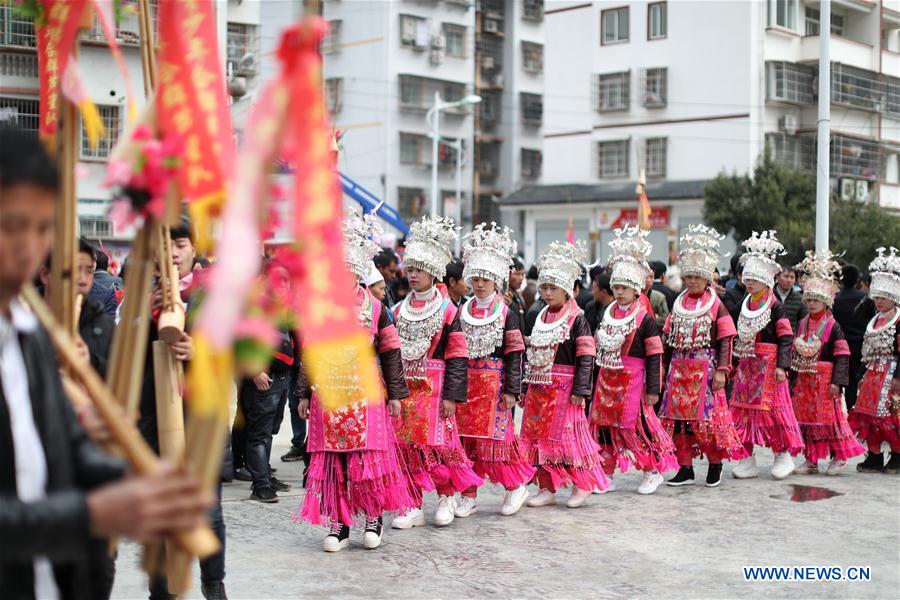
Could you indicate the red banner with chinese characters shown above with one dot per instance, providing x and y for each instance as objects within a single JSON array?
[
  {"x": 192, "y": 104},
  {"x": 629, "y": 217},
  {"x": 55, "y": 39}
]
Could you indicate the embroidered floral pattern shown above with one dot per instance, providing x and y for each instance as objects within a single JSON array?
[
  {"x": 611, "y": 398},
  {"x": 419, "y": 415},
  {"x": 813, "y": 404},
  {"x": 687, "y": 392},
  {"x": 483, "y": 415},
  {"x": 346, "y": 427},
  {"x": 872, "y": 398},
  {"x": 754, "y": 381}
]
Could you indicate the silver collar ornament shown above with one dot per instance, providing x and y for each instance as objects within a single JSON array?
[
  {"x": 878, "y": 342},
  {"x": 545, "y": 339},
  {"x": 611, "y": 336},
  {"x": 416, "y": 328},
  {"x": 691, "y": 329},
  {"x": 484, "y": 335},
  {"x": 750, "y": 323}
]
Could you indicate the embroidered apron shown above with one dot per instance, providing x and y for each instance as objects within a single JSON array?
[
  {"x": 754, "y": 385},
  {"x": 618, "y": 395},
  {"x": 874, "y": 396},
  {"x": 688, "y": 395},
  {"x": 485, "y": 415},
  {"x": 420, "y": 422},
  {"x": 546, "y": 405}
]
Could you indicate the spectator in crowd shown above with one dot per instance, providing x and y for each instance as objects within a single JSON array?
[
  {"x": 375, "y": 284},
  {"x": 582, "y": 294},
  {"x": 659, "y": 284},
  {"x": 512, "y": 297},
  {"x": 791, "y": 296},
  {"x": 386, "y": 262},
  {"x": 602, "y": 296},
  {"x": 400, "y": 289},
  {"x": 658, "y": 304},
  {"x": 102, "y": 275},
  {"x": 530, "y": 293},
  {"x": 865, "y": 280},
  {"x": 853, "y": 322},
  {"x": 456, "y": 283},
  {"x": 735, "y": 294},
  {"x": 101, "y": 290}
]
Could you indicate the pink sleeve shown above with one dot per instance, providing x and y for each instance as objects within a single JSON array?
[
  {"x": 513, "y": 341},
  {"x": 783, "y": 328},
  {"x": 725, "y": 327},
  {"x": 585, "y": 346},
  {"x": 456, "y": 346},
  {"x": 653, "y": 345},
  {"x": 841, "y": 348},
  {"x": 667, "y": 328},
  {"x": 388, "y": 339}
]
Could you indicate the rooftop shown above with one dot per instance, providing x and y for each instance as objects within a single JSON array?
[{"x": 577, "y": 193}]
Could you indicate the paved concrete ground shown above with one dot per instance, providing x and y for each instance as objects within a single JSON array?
[{"x": 688, "y": 542}]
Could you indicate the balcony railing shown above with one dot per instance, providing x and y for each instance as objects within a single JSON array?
[
  {"x": 850, "y": 86},
  {"x": 14, "y": 64},
  {"x": 15, "y": 31}
]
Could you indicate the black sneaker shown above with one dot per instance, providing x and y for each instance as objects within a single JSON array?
[
  {"x": 337, "y": 539},
  {"x": 243, "y": 474},
  {"x": 874, "y": 463},
  {"x": 278, "y": 484},
  {"x": 893, "y": 463},
  {"x": 714, "y": 475},
  {"x": 373, "y": 533},
  {"x": 266, "y": 495},
  {"x": 214, "y": 590},
  {"x": 293, "y": 455},
  {"x": 685, "y": 476}
]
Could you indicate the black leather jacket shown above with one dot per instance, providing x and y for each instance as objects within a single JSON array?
[{"x": 57, "y": 526}]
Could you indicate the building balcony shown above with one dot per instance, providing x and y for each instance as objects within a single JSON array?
[
  {"x": 889, "y": 196},
  {"x": 19, "y": 70},
  {"x": 890, "y": 62},
  {"x": 843, "y": 50}
]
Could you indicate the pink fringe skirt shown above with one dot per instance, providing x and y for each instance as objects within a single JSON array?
[
  {"x": 647, "y": 447},
  {"x": 433, "y": 466},
  {"x": 348, "y": 486},
  {"x": 875, "y": 429},
  {"x": 573, "y": 459},
  {"x": 716, "y": 435},
  {"x": 500, "y": 461},
  {"x": 775, "y": 428},
  {"x": 835, "y": 439}
]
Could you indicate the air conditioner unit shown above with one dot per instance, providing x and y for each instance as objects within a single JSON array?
[
  {"x": 488, "y": 62},
  {"x": 787, "y": 124},
  {"x": 862, "y": 190},
  {"x": 491, "y": 26},
  {"x": 438, "y": 42},
  {"x": 437, "y": 57},
  {"x": 848, "y": 189}
]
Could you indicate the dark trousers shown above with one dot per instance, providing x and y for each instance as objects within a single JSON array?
[
  {"x": 856, "y": 373},
  {"x": 102, "y": 568},
  {"x": 298, "y": 425},
  {"x": 261, "y": 410},
  {"x": 239, "y": 427}
]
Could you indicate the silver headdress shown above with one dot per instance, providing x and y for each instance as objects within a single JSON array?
[
  {"x": 698, "y": 252},
  {"x": 822, "y": 274},
  {"x": 488, "y": 253},
  {"x": 759, "y": 260},
  {"x": 560, "y": 264},
  {"x": 359, "y": 245},
  {"x": 885, "y": 270},
  {"x": 428, "y": 245},
  {"x": 628, "y": 258}
]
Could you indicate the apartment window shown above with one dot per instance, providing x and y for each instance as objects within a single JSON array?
[
  {"x": 490, "y": 108},
  {"x": 533, "y": 10},
  {"x": 613, "y": 91},
  {"x": 532, "y": 57},
  {"x": 410, "y": 202},
  {"x": 856, "y": 158},
  {"x": 455, "y": 40},
  {"x": 893, "y": 96},
  {"x": 532, "y": 108},
  {"x": 241, "y": 40},
  {"x": 614, "y": 25},
  {"x": 15, "y": 30},
  {"x": 655, "y": 157},
  {"x": 857, "y": 88},
  {"x": 612, "y": 159},
  {"x": 793, "y": 151},
  {"x": 332, "y": 40},
  {"x": 413, "y": 32},
  {"x": 334, "y": 88},
  {"x": 453, "y": 92},
  {"x": 657, "y": 20},
  {"x": 813, "y": 18},
  {"x": 412, "y": 148},
  {"x": 531, "y": 163},
  {"x": 19, "y": 113},
  {"x": 655, "y": 83},
  {"x": 410, "y": 92},
  {"x": 790, "y": 82},
  {"x": 111, "y": 122},
  {"x": 783, "y": 13},
  {"x": 19, "y": 64},
  {"x": 94, "y": 227}
]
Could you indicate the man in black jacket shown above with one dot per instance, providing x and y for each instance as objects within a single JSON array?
[
  {"x": 57, "y": 489},
  {"x": 791, "y": 297},
  {"x": 659, "y": 273},
  {"x": 853, "y": 322},
  {"x": 734, "y": 296}
]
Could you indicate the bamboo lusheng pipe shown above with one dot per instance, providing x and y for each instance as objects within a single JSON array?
[
  {"x": 148, "y": 46},
  {"x": 170, "y": 325},
  {"x": 200, "y": 541}
]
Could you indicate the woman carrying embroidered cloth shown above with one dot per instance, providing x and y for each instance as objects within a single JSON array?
[
  {"x": 875, "y": 417},
  {"x": 559, "y": 362},
  {"x": 821, "y": 363},
  {"x": 629, "y": 352},
  {"x": 495, "y": 347},
  {"x": 435, "y": 363},
  {"x": 698, "y": 338},
  {"x": 761, "y": 401},
  {"x": 355, "y": 468}
]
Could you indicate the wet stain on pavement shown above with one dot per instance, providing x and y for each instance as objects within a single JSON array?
[{"x": 807, "y": 493}]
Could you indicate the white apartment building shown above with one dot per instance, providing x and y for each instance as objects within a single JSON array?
[
  {"x": 687, "y": 89},
  {"x": 237, "y": 22}
]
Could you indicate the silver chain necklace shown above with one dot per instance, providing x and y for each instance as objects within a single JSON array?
[
  {"x": 691, "y": 328},
  {"x": 878, "y": 343},
  {"x": 545, "y": 339},
  {"x": 611, "y": 335},
  {"x": 750, "y": 323},
  {"x": 482, "y": 335},
  {"x": 416, "y": 328}
]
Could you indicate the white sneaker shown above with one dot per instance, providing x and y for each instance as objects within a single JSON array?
[
  {"x": 513, "y": 501},
  {"x": 836, "y": 467},
  {"x": 784, "y": 465},
  {"x": 578, "y": 497},
  {"x": 650, "y": 482},
  {"x": 465, "y": 507},
  {"x": 337, "y": 539},
  {"x": 444, "y": 514},
  {"x": 610, "y": 488},
  {"x": 542, "y": 498},
  {"x": 373, "y": 533},
  {"x": 413, "y": 518},
  {"x": 746, "y": 469},
  {"x": 807, "y": 468}
]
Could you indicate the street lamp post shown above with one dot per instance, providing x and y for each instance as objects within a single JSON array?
[{"x": 435, "y": 123}]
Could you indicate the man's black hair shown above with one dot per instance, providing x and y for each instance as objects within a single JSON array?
[
  {"x": 850, "y": 276},
  {"x": 602, "y": 280},
  {"x": 595, "y": 271},
  {"x": 659, "y": 268},
  {"x": 85, "y": 248},
  {"x": 517, "y": 264},
  {"x": 788, "y": 269},
  {"x": 183, "y": 230},
  {"x": 454, "y": 271},
  {"x": 866, "y": 278},
  {"x": 24, "y": 161},
  {"x": 736, "y": 267},
  {"x": 102, "y": 261},
  {"x": 385, "y": 258},
  {"x": 532, "y": 272}
]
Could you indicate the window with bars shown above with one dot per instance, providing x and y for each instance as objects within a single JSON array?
[
  {"x": 612, "y": 159},
  {"x": 657, "y": 17},
  {"x": 413, "y": 149},
  {"x": 655, "y": 85},
  {"x": 331, "y": 43},
  {"x": 19, "y": 64},
  {"x": 15, "y": 31},
  {"x": 455, "y": 40},
  {"x": 856, "y": 87},
  {"x": 413, "y": 31},
  {"x": 856, "y": 158},
  {"x": 613, "y": 91},
  {"x": 533, "y": 10},
  {"x": 410, "y": 202},
  {"x": 410, "y": 91},
  {"x": 334, "y": 88},
  {"x": 793, "y": 151},
  {"x": 614, "y": 25},
  {"x": 892, "y": 106},
  {"x": 241, "y": 40},
  {"x": 531, "y": 163},
  {"x": 21, "y": 113},
  {"x": 491, "y": 108},
  {"x": 532, "y": 108},
  {"x": 110, "y": 115},
  {"x": 813, "y": 20},
  {"x": 94, "y": 227},
  {"x": 532, "y": 57},
  {"x": 790, "y": 82},
  {"x": 655, "y": 157}
]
